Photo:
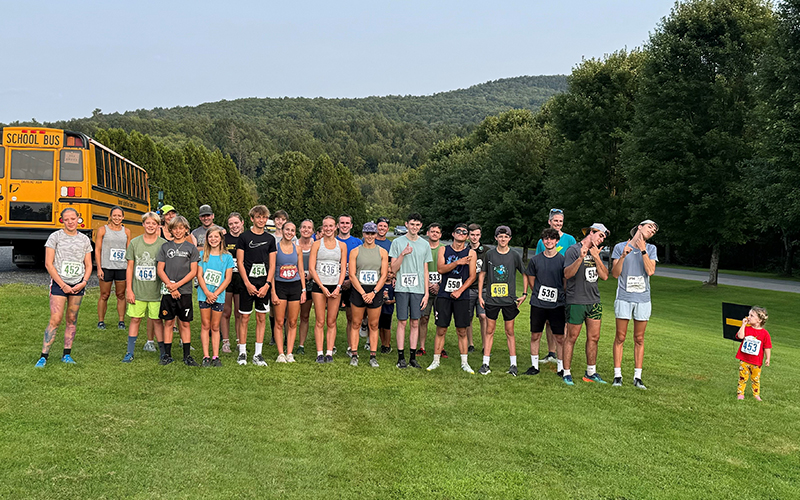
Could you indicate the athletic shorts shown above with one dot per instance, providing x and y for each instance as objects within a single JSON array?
[
  {"x": 247, "y": 301},
  {"x": 289, "y": 290},
  {"x": 578, "y": 313},
  {"x": 180, "y": 308},
  {"x": 316, "y": 289},
  {"x": 216, "y": 306},
  {"x": 346, "y": 297},
  {"x": 139, "y": 308},
  {"x": 457, "y": 309},
  {"x": 58, "y": 292},
  {"x": 356, "y": 300},
  {"x": 385, "y": 321},
  {"x": 110, "y": 275},
  {"x": 556, "y": 316},
  {"x": 431, "y": 305},
  {"x": 638, "y": 311},
  {"x": 509, "y": 312},
  {"x": 475, "y": 308},
  {"x": 236, "y": 286},
  {"x": 408, "y": 304}
]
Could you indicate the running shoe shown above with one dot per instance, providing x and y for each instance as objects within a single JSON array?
[
  {"x": 385, "y": 349},
  {"x": 290, "y": 358},
  {"x": 320, "y": 359},
  {"x": 206, "y": 362},
  {"x": 301, "y": 350},
  {"x": 402, "y": 364},
  {"x": 272, "y": 340},
  {"x": 758, "y": 398},
  {"x": 433, "y": 366},
  {"x": 101, "y": 325},
  {"x": 216, "y": 363},
  {"x": 471, "y": 349},
  {"x": 484, "y": 369},
  {"x": 550, "y": 358},
  {"x": 334, "y": 350},
  {"x": 593, "y": 378},
  {"x": 421, "y": 351},
  {"x": 149, "y": 346},
  {"x": 128, "y": 358},
  {"x": 444, "y": 354},
  {"x": 568, "y": 380},
  {"x": 637, "y": 382},
  {"x": 532, "y": 371},
  {"x": 242, "y": 359},
  {"x": 121, "y": 325},
  {"x": 43, "y": 361},
  {"x": 226, "y": 346},
  {"x": 560, "y": 373},
  {"x": 189, "y": 361},
  {"x": 281, "y": 358},
  {"x": 512, "y": 370},
  {"x": 413, "y": 364},
  {"x": 373, "y": 362},
  {"x": 354, "y": 360},
  {"x": 328, "y": 359},
  {"x": 740, "y": 397},
  {"x": 366, "y": 346},
  {"x": 617, "y": 382},
  {"x": 467, "y": 368},
  {"x": 258, "y": 360},
  {"x": 165, "y": 360},
  {"x": 349, "y": 353},
  {"x": 67, "y": 359}
]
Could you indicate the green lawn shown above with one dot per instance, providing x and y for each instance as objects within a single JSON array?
[{"x": 103, "y": 429}]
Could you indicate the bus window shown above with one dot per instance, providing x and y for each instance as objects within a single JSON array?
[
  {"x": 32, "y": 165},
  {"x": 71, "y": 165},
  {"x": 128, "y": 180},
  {"x": 2, "y": 162},
  {"x": 107, "y": 169},
  {"x": 98, "y": 159},
  {"x": 114, "y": 173}
]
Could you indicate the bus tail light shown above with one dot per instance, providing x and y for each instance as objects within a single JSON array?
[
  {"x": 74, "y": 142},
  {"x": 71, "y": 192}
]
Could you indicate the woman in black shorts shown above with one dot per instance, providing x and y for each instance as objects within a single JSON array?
[
  {"x": 235, "y": 229},
  {"x": 288, "y": 291},
  {"x": 304, "y": 244},
  {"x": 111, "y": 244}
]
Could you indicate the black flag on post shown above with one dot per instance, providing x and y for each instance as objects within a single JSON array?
[{"x": 732, "y": 315}]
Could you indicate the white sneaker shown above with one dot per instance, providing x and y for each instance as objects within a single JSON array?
[
  {"x": 290, "y": 358},
  {"x": 149, "y": 346},
  {"x": 242, "y": 359},
  {"x": 467, "y": 369},
  {"x": 258, "y": 360},
  {"x": 281, "y": 358},
  {"x": 433, "y": 366},
  {"x": 366, "y": 346}
]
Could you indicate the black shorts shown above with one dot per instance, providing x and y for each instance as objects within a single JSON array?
[
  {"x": 246, "y": 301},
  {"x": 236, "y": 286},
  {"x": 358, "y": 301},
  {"x": 346, "y": 297},
  {"x": 181, "y": 308},
  {"x": 58, "y": 292},
  {"x": 289, "y": 290},
  {"x": 385, "y": 321},
  {"x": 556, "y": 316},
  {"x": 316, "y": 289},
  {"x": 509, "y": 312},
  {"x": 457, "y": 309},
  {"x": 110, "y": 275}
]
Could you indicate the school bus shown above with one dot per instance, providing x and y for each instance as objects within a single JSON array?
[{"x": 45, "y": 170}]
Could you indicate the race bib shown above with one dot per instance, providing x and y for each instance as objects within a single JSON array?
[
  {"x": 635, "y": 284},
  {"x": 71, "y": 269},
  {"x": 288, "y": 271},
  {"x": 591, "y": 274},
  {"x": 328, "y": 269},
  {"x": 751, "y": 346},
  {"x": 499, "y": 290},
  {"x": 366, "y": 277},
  {"x": 409, "y": 280},
  {"x": 145, "y": 273},
  {"x": 258, "y": 271},
  {"x": 212, "y": 277},
  {"x": 548, "y": 294},
  {"x": 452, "y": 285},
  {"x": 116, "y": 255},
  {"x": 434, "y": 278},
  {"x": 164, "y": 290}
]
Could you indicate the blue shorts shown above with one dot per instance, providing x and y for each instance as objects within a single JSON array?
[
  {"x": 216, "y": 306},
  {"x": 408, "y": 304},
  {"x": 58, "y": 292},
  {"x": 638, "y": 311}
]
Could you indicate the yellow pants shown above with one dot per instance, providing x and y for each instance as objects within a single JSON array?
[{"x": 746, "y": 371}]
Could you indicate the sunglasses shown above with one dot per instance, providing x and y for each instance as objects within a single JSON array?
[
  {"x": 383, "y": 219},
  {"x": 461, "y": 231},
  {"x": 556, "y": 211}
]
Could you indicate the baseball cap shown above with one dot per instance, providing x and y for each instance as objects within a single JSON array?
[
  {"x": 502, "y": 230},
  {"x": 597, "y": 227},
  {"x": 165, "y": 209},
  {"x": 369, "y": 227},
  {"x": 647, "y": 221},
  {"x": 206, "y": 210}
]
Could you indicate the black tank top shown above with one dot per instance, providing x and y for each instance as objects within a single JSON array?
[{"x": 453, "y": 280}]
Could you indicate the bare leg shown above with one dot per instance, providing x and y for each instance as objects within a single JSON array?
[
  {"x": 280, "y": 317},
  {"x": 373, "y": 319},
  {"x": 120, "y": 292},
  {"x": 102, "y": 302},
  {"x": 261, "y": 326},
  {"x": 438, "y": 342},
  {"x": 573, "y": 331},
  {"x": 463, "y": 344},
  {"x": 423, "y": 331},
  {"x": 333, "y": 314},
  {"x": 638, "y": 342},
  {"x": 592, "y": 338},
  {"x": 205, "y": 328},
  {"x": 413, "y": 334},
  {"x": 305, "y": 315},
  {"x": 227, "y": 311},
  {"x": 57, "y": 304},
  {"x": 401, "y": 334},
  {"x": 619, "y": 341},
  {"x": 292, "y": 311},
  {"x": 510, "y": 339},
  {"x": 352, "y": 334},
  {"x": 74, "y": 304},
  {"x": 216, "y": 317},
  {"x": 536, "y": 338},
  {"x": 488, "y": 337},
  {"x": 320, "y": 302}
]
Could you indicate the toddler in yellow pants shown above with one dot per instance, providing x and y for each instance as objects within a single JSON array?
[{"x": 756, "y": 344}]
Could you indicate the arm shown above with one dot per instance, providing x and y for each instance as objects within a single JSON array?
[
  {"x": 384, "y": 270},
  {"x": 87, "y": 273},
  {"x": 270, "y": 277},
  {"x": 302, "y": 272},
  {"x": 129, "y": 295},
  {"x": 251, "y": 289},
  {"x": 162, "y": 275},
  {"x": 471, "y": 258},
  {"x": 426, "y": 295},
  {"x": 98, "y": 250},
  {"x": 396, "y": 262},
  {"x": 616, "y": 264},
  {"x": 740, "y": 333},
  {"x": 602, "y": 270},
  {"x": 768, "y": 354},
  {"x": 572, "y": 269},
  {"x": 352, "y": 273},
  {"x": 202, "y": 284},
  {"x": 481, "y": 281},
  {"x": 189, "y": 276},
  {"x": 224, "y": 284},
  {"x": 127, "y": 237}
]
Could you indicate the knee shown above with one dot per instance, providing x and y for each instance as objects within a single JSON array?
[
  {"x": 121, "y": 296},
  {"x": 105, "y": 295},
  {"x": 620, "y": 338}
]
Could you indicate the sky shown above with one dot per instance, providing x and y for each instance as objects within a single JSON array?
[{"x": 62, "y": 60}]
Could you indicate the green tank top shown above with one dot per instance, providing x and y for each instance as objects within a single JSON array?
[
  {"x": 368, "y": 265},
  {"x": 433, "y": 265}
]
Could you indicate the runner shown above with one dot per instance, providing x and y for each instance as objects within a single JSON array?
[
  {"x": 327, "y": 260},
  {"x": 345, "y": 225},
  {"x": 206, "y": 222},
  {"x": 383, "y": 229},
  {"x": 304, "y": 244},
  {"x": 214, "y": 274},
  {"x": 475, "y": 307},
  {"x": 288, "y": 291},
  {"x": 236, "y": 286},
  {"x": 110, "y": 244},
  {"x": 143, "y": 286},
  {"x": 255, "y": 256},
  {"x": 456, "y": 264},
  {"x": 68, "y": 260},
  {"x": 546, "y": 280},
  {"x": 556, "y": 221},
  {"x": 497, "y": 289},
  {"x": 633, "y": 262},
  {"x": 582, "y": 267},
  {"x": 434, "y": 234},
  {"x": 176, "y": 265},
  {"x": 410, "y": 254}
]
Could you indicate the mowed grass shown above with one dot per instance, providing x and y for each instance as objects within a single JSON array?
[{"x": 103, "y": 429}]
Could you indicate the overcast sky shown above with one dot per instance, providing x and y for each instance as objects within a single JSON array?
[{"x": 62, "y": 60}]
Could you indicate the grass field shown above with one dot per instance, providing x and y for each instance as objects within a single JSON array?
[{"x": 103, "y": 429}]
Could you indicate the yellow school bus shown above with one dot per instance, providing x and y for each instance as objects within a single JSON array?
[{"x": 45, "y": 170}]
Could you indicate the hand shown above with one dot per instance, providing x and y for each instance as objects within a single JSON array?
[
  {"x": 263, "y": 291},
  {"x": 584, "y": 251},
  {"x": 386, "y": 294},
  {"x": 172, "y": 286},
  {"x": 100, "y": 273},
  {"x": 628, "y": 249},
  {"x": 433, "y": 289},
  {"x": 302, "y": 297},
  {"x": 275, "y": 300},
  {"x": 335, "y": 293},
  {"x": 639, "y": 242},
  {"x": 520, "y": 300},
  {"x": 594, "y": 251},
  {"x": 251, "y": 289},
  {"x": 767, "y": 362},
  {"x": 482, "y": 302},
  {"x": 744, "y": 322},
  {"x": 455, "y": 294},
  {"x": 66, "y": 288},
  {"x": 80, "y": 286},
  {"x": 368, "y": 297},
  {"x": 130, "y": 297},
  {"x": 463, "y": 261},
  {"x": 424, "y": 301},
  {"x": 407, "y": 250},
  {"x": 211, "y": 298},
  {"x": 346, "y": 284},
  {"x": 175, "y": 294}
]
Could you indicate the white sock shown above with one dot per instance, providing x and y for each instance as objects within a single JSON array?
[
  {"x": 637, "y": 373},
  {"x": 535, "y": 362},
  {"x": 329, "y": 353},
  {"x": 513, "y": 360},
  {"x": 259, "y": 346},
  {"x": 436, "y": 359},
  {"x": 567, "y": 372},
  {"x": 320, "y": 353},
  {"x": 242, "y": 348},
  {"x": 486, "y": 360},
  {"x": 591, "y": 370},
  {"x": 617, "y": 372},
  {"x": 560, "y": 365},
  {"x": 464, "y": 359}
]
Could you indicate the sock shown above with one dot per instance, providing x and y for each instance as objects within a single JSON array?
[
  {"x": 131, "y": 344},
  {"x": 168, "y": 349},
  {"x": 242, "y": 348},
  {"x": 551, "y": 354},
  {"x": 372, "y": 355},
  {"x": 486, "y": 360},
  {"x": 513, "y": 360},
  {"x": 301, "y": 345},
  {"x": 401, "y": 354},
  {"x": 413, "y": 353},
  {"x": 637, "y": 373},
  {"x": 320, "y": 353},
  {"x": 464, "y": 359},
  {"x": 259, "y": 347},
  {"x": 560, "y": 365},
  {"x": 45, "y": 355},
  {"x": 591, "y": 370},
  {"x": 329, "y": 352},
  {"x": 567, "y": 372},
  {"x": 161, "y": 348},
  {"x": 436, "y": 359},
  {"x": 617, "y": 372},
  {"x": 535, "y": 362},
  {"x": 67, "y": 351},
  {"x": 187, "y": 349}
]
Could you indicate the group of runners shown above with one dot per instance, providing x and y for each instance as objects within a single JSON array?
[{"x": 280, "y": 276}]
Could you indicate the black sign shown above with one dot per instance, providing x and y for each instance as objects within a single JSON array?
[{"x": 732, "y": 315}]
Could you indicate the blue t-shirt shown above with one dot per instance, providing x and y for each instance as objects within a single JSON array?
[
  {"x": 214, "y": 274},
  {"x": 633, "y": 284},
  {"x": 388, "y": 294},
  {"x": 351, "y": 242},
  {"x": 385, "y": 244},
  {"x": 564, "y": 242}
]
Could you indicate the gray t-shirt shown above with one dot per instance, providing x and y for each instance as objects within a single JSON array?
[
  {"x": 548, "y": 287},
  {"x": 500, "y": 281},
  {"x": 200, "y": 234},
  {"x": 633, "y": 284},
  {"x": 146, "y": 285},
  {"x": 411, "y": 276},
  {"x": 582, "y": 288},
  {"x": 177, "y": 259},
  {"x": 70, "y": 253}
]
